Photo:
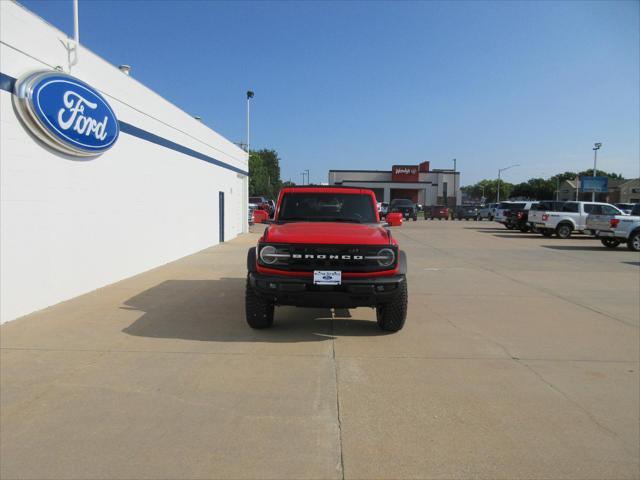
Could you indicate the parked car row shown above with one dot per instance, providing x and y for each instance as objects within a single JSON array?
[
  {"x": 262, "y": 203},
  {"x": 610, "y": 223}
]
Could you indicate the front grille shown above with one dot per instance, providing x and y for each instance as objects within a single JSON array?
[{"x": 347, "y": 258}]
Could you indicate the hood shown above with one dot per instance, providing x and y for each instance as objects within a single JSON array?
[{"x": 328, "y": 233}]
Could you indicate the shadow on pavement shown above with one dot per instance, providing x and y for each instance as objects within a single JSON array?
[
  {"x": 213, "y": 310},
  {"x": 599, "y": 248},
  {"x": 636, "y": 264},
  {"x": 537, "y": 235}
]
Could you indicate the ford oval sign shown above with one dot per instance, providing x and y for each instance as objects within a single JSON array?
[{"x": 66, "y": 113}]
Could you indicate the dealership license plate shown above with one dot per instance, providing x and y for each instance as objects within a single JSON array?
[{"x": 327, "y": 277}]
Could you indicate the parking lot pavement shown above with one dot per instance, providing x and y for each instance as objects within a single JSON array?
[{"x": 519, "y": 359}]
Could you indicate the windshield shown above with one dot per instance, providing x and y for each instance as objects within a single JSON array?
[{"x": 327, "y": 207}]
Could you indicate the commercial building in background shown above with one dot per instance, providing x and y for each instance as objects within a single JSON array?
[
  {"x": 101, "y": 178},
  {"x": 419, "y": 183},
  {"x": 617, "y": 191}
]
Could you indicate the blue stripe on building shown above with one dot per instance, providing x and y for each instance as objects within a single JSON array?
[{"x": 7, "y": 83}]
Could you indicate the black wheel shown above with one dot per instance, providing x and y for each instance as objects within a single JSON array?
[
  {"x": 610, "y": 242},
  {"x": 633, "y": 243},
  {"x": 524, "y": 228},
  {"x": 490, "y": 218},
  {"x": 547, "y": 232},
  {"x": 259, "y": 311},
  {"x": 391, "y": 316},
  {"x": 510, "y": 226},
  {"x": 563, "y": 230}
]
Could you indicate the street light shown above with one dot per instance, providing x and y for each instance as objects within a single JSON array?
[
  {"x": 249, "y": 97},
  {"x": 596, "y": 147},
  {"x": 455, "y": 194},
  {"x": 500, "y": 170}
]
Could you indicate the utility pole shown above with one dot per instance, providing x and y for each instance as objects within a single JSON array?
[
  {"x": 596, "y": 147},
  {"x": 308, "y": 180}
]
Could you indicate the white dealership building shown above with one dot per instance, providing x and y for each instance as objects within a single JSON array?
[{"x": 73, "y": 219}]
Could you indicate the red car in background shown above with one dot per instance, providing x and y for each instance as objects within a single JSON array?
[
  {"x": 437, "y": 211},
  {"x": 261, "y": 203}
]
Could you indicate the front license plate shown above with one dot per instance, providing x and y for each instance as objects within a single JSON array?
[{"x": 327, "y": 277}]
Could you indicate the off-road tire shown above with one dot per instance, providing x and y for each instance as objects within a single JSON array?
[
  {"x": 525, "y": 228},
  {"x": 610, "y": 242},
  {"x": 633, "y": 243},
  {"x": 510, "y": 226},
  {"x": 259, "y": 312},
  {"x": 391, "y": 316},
  {"x": 564, "y": 230},
  {"x": 546, "y": 232}
]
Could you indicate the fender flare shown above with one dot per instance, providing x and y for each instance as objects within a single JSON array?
[
  {"x": 251, "y": 260},
  {"x": 402, "y": 264}
]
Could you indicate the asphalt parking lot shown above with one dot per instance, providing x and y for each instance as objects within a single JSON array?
[{"x": 519, "y": 359}]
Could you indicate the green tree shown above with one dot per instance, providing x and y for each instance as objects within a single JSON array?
[
  {"x": 264, "y": 173},
  {"x": 490, "y": 188},
  {"x": 534, "y": 188}
]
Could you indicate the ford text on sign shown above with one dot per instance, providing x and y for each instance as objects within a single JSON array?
[{"x": 66, "y": 113}]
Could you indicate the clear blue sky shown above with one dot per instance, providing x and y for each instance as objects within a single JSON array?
[{"x": 365, "y": 85}]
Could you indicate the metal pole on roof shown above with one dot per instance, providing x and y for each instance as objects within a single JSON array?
[{"x": 76, "y": 35}]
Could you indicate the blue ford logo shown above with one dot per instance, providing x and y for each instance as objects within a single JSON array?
[{"x": 66, "y": 113}]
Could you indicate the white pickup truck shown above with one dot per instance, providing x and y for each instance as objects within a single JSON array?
[
  {"x": 564, "y": 218},
  {"x": 612, "y": 230}
]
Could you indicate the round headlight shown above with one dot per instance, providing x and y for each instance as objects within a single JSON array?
[
  {"x": 267, "y": 254},
  {"x": 387, "y": 257}
]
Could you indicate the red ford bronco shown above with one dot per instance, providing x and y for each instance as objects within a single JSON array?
[{"x": 327, "y": 248}]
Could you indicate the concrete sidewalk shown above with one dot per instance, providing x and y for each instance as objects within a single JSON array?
[{"x": 519, "y": 359}]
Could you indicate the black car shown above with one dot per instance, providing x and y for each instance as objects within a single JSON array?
[
  {"x": 466, "y": 212},
  {"x": 404, "y": 206}
]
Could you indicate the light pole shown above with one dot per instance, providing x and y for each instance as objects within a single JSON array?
[
  {"x": 455, "y": 193},
  {"x": 500, "y": 170},
  {"x": 596, "y": 147},
  {"x": 249, "y": 97},
  {"x": 307, "y": 172}
]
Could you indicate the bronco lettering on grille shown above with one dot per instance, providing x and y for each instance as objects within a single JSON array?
[{"x": 324, "y": 257}]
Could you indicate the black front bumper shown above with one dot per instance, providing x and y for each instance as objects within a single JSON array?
[{"x": 301, "y": 292}]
